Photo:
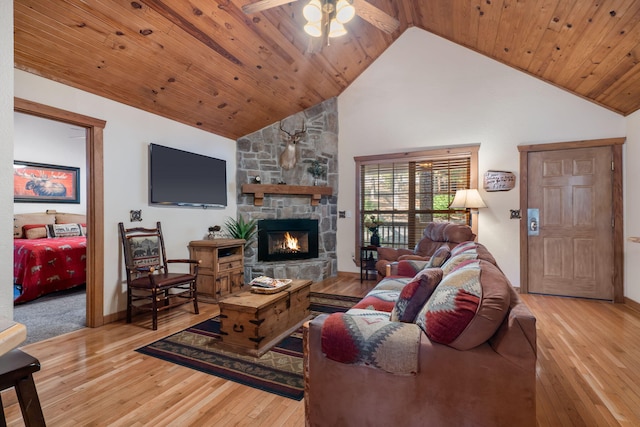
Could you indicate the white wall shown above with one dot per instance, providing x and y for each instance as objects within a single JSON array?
[
  {"x": 631, "y": 208},
  {"x": 126, "y": 137},
  {"x": 425, "y": 92},
  {"x": 50, "y": 142},
  {"x": 6, "y": 158}
]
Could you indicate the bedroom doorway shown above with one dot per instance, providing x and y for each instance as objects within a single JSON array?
[{"x": 95, "y": 199}]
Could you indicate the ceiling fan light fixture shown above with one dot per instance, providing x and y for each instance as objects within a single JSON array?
[
  {"x": 313, "y": 11},
  {"x": 336, "y": 29},
  {"x": 344, "y": 11},
  {"x": 313, "y": 29}
]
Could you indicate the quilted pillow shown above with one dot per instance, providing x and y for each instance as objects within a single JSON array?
[
  {"x": 415, "y": 294},
  {"x": 34, "y": 231},
  {"x": 64, "y": 230},
  {"x": 467, "y": 307},
  {"x": 453, "y": 262},
  {"x": 409, "y": 268},
  {"x": 439, "y": 257}
]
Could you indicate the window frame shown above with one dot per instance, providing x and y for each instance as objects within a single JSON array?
[{"x": 422, "y": 155}]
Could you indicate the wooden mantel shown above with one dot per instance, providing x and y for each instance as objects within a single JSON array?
[{"x": 259, "y": 190}]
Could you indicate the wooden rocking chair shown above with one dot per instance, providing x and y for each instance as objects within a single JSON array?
[{"x": 148, "y": 276}]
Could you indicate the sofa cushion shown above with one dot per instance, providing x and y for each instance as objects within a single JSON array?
[
  {"x": 371, "y": 340},
  {"x": 415, "y": 294},
  {"x": 393, "y": 283},
  {"x": 467, "y": 307},
  {"x": 379, "y": 300}
]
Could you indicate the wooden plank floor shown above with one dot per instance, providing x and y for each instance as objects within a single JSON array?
[{"x": 588, "y": 372}]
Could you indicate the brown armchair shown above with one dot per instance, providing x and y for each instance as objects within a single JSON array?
[
  {"x": 150, "y": 285},
  {"x": 434, "y": 236}
]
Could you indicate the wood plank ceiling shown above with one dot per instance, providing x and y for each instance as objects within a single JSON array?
[{"x": 207, "y": 64}]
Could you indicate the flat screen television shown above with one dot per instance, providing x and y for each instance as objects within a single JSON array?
[{"x": 181, "y": 178}]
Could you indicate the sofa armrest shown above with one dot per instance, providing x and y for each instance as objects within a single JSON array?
[{"x": 515, "y": 339}]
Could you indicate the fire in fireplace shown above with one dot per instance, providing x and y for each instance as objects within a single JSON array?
[{"x": 287, "y": 239}]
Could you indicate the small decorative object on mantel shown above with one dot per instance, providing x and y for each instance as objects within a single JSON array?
[
  {"x": 317, "y": 170},
  {"x": 257, "y": 180},
  {"x": 372, "y": 224},
  {"x": 499, "y": 181}
]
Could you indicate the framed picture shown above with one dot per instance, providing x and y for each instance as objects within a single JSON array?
[{"x": 41, "y": 183}]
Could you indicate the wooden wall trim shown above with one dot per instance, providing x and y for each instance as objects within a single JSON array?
[
  {"x": 618, "y": 208},
  {"x": 572, "y": 144},
  {"x": 95, "y": 198}
]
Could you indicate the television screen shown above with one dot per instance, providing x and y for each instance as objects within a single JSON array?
[{"x": 178, "y": 177}]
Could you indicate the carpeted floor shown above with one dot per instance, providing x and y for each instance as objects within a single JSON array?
[
  {"x": 52, "y": 315},
  {"x": 278, "y": 371}
]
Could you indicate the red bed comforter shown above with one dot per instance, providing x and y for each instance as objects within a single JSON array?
[{"x": 42, "y": 266}]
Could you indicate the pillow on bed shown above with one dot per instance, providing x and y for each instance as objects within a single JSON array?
[
  {"x": 34, "y": 231},
  {"x": 20, "y": 220},
  {"x": 64, "y": 230}
]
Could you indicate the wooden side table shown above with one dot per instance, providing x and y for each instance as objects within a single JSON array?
[
  {"x": 368, "y": 259},
  {"x": 221, "y": 271}
]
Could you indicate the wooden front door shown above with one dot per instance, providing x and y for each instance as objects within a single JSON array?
[{"x": 570, "y": 220}]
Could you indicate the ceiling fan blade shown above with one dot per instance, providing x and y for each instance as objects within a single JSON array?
[
  {"x": 261, "y": 5},
  {"x": 375, "y": 16}
]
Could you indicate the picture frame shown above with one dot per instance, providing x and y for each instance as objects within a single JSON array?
[{"x": 44, "y": 183}]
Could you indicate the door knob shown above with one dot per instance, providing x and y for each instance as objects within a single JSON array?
[{"x": 533, "y": 227}]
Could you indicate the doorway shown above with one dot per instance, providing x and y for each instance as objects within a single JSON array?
[
  {"x": 95, "y": 199},
  {"x": 571, "y": 232}
]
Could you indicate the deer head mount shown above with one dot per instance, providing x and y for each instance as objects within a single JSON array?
[{"x": 289, "y": 155}]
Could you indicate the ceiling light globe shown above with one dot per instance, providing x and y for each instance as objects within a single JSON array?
[
  {"x": 336, "y": 29},
  {"x": 313, "y": 29},
  {"x": 313, "y": 11},
  {"x": 344, "y": 11}
]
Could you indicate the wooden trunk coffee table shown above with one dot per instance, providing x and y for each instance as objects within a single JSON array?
[{"x": 253, "y": 323}]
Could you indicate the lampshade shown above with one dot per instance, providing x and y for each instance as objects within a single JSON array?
[
  {"x": 465, "y": 199},
  {"x": 336, "y": 29},
  {"x": 344, "y": 11},
  {"x": 313, "y": 11},
  {"x": 336, "y": 13}
]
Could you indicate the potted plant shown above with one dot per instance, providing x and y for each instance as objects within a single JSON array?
[
  {"x": 241, "y": 229},
  {"x": 317, "y": 170},
  {"x": 372, "y": 224}
]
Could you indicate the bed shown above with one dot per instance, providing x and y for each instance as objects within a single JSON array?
[{"x": 49, "y": 254}]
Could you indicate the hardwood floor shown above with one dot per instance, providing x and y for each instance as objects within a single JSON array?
[{"x": 588, "y": 372}]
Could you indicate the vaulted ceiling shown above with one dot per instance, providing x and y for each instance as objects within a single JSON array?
[{"x": 207, "y": 64}]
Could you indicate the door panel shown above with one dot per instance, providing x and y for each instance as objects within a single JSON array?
[{"x": 572, "y": 255}]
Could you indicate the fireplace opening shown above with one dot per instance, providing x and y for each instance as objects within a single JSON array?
[{"x": 287, "y": 239}]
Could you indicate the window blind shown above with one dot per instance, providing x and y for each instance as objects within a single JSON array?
[{"x": 406, "y": 195}]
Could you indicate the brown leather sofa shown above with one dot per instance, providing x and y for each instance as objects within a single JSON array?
[
  {"x": 471, "y": 381},
  {"x": 434, "y": 236}
]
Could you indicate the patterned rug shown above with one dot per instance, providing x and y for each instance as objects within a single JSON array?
[{"x": 278, "y": 371}]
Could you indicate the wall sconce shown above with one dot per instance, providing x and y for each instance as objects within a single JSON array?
[{"x": 468, "y": 199}]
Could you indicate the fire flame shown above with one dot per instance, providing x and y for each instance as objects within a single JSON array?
[{"x": 291, "y": 242}]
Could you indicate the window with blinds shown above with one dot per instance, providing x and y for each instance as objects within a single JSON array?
[{"x": 404, "y": 195}]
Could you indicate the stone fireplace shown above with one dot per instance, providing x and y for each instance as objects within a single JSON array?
[
  {"x": 258, "y": 155},
  {"x": 287, "y": 239}
]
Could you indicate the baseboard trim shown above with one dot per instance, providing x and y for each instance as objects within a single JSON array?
[
  {"x": 632, "y": 304},
  {"x": 348, "y": 274}
]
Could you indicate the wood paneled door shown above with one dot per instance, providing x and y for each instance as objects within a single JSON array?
[{"x": 569, "y": 220}]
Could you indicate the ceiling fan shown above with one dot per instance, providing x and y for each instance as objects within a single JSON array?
[{"x": 326, "y": 25}]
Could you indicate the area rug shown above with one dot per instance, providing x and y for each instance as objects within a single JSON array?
[{"x": 278, "y": 371}]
